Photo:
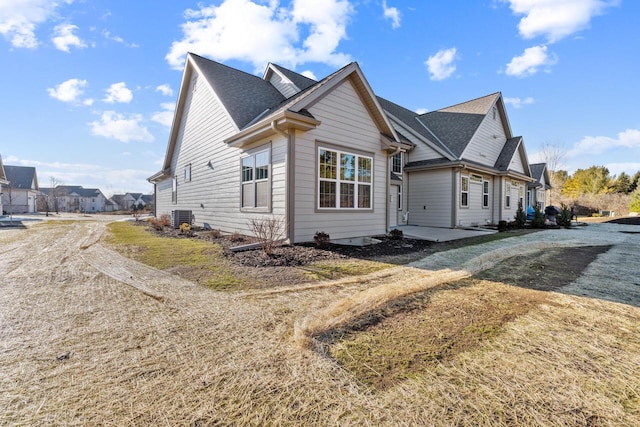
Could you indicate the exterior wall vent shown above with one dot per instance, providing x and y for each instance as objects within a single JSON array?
[{"x": 180, "y": 217}]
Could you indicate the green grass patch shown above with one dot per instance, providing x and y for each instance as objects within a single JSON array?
[{"x": 195, "y": 260}]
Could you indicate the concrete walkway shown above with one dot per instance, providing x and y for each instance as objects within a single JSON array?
[{"x": 435, "y": 234}]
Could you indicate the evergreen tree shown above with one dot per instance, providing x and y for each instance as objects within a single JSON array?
[{"x": 622, "y": 184}]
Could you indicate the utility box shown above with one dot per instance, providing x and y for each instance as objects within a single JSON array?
[{"x": 179, "y": 217}]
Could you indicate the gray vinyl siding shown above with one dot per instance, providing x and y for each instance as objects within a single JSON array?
[
  {"x": 421, "y": 150},
  {"x": 213, "y": 193},
  {"x": 486, "y": 144},
  {"x": 285, "y": 87},
  {"x": 474, "y": 214},
  {"x": 429, "y": 196},
  {"x": 516, "y": 163},
  {"x": 347, "y": 125}
]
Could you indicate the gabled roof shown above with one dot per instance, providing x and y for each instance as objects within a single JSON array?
[
  {"x": 78, "y": 190},
  {"x": 410, "y": 120},
  {"x": 22, "y": 177},
  {"x": 300, "y": 81},
  {"x": 299, "y": 104},
  {"x": 456, "y": 125},
  {"x": 243, "y": 95},
  {"x": 538, "y": 170},
  {"x": 513, "y": 146}
]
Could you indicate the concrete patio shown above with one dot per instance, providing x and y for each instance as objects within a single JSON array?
[{"x": 435, "y": 234}]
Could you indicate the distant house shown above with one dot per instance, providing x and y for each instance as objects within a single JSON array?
[
  {"x": 125, "y": 201},
  {"x": 331, "y": 156},
  {"x": 538, "y": 191},
  {"x": 20, "y": 194},
  {"x": 75, "y": 198},
  {"x": 3, "y": 182}
]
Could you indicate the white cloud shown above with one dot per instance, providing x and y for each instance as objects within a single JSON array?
[
  {"x": 165, "y": 89},
  {"x": 165, "y": 117},
  {"x": 117, "y": 126},
  {"x": 228, "y": 31},
  {"x": 556, "y": 19},
  {"x": 530, "y": 62},
  {"x": 107, "y": 35},
  {"x": 519, "y": 102},
  {"x": 629, "y": 139},
  {"x": 69, "y": 91},
  {"x": 309, "y": 74},
  {"x": 118, "y": 92},
  {"x": 391, "y": 13},
  {"x": 19, "y": 19},
  {"x": 441, "y": 65},
  {"x": 64, "y": 38}
]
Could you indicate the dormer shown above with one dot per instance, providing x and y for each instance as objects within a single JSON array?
[{"x": 287, "y": 82}]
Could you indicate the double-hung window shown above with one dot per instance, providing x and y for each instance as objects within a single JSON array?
[
  {"x": 464, "y": 192},
  {"x": 507, "y": 196},
  {"x": 485, "y": 194},
  {"x": 396, "y": 163},
  {"x": 256, "y": 182},
  {"x": 345, "y": 180}
]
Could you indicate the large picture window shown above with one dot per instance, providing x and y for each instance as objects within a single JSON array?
[
  {"x": 255, "y": 177},
  {"x": 344, "y": 180}
]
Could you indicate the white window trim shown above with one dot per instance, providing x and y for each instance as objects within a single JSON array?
[
  {"x": 462, "y": 191},
  {"x": 507, "y": 196},
  {"x": 174, "y": 190},
  {"x": 486, "y": 184},
  {"x": 356, "y": 182},
  {"x": 254, "y": 181},
  {"x": 400, "y": 154},
  {"x": 187, "y": 173}
]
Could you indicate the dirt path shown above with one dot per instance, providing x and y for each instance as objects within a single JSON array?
[{"x": 89, "y": 337}]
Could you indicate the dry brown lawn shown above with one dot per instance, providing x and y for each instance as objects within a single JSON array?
[{"x": 91, "y": 338}]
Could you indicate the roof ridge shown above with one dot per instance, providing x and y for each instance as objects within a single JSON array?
[{"x": 468, "y": 101}]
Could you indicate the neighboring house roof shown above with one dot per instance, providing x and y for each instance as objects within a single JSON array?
[
  {"x": 3, "y": 176},
  {"x": 77, "y": 190},
  {"x": 508, "y": 151},
  {"x": 538, "y": 171},
  {"x": 22, "y": 177}
]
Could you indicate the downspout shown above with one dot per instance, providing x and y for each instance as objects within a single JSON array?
[
  {"x": 388, "y": 208},
  {"x": 288, "y": 182}
]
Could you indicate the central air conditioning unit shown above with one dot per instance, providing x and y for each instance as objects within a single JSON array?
[{"x": 179, "y": 217}]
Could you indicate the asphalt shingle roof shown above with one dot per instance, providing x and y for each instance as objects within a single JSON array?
[
  {"x": 22, "y": 177},
  {"x": 506, "y": 155},
  {"x": 302, "y": 82},
  {"x": 244, "y": 95}
]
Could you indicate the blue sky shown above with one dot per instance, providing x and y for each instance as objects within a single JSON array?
[{"x": 89, "y": 86}]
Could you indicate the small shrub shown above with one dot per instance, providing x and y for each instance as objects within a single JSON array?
[
  {"x": 165, "y": 220},
  {"x": 564, "y": 217},
  {"x": 502, "y": 225},
  {"x": 159, "y": 223},
  {"x": 595, "y": 215},
  {"x": 521, "y": 217},
  {"x": 185, "y": 228},
  {"x": 322, "y": 239},
  {"x": 538, "y": 218},
  {"x": 236, "y": 237},
  {"x": 215, "y": 234},
  {"x": 268, "y": 231},
  {"x": 396, "y": 234}
]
